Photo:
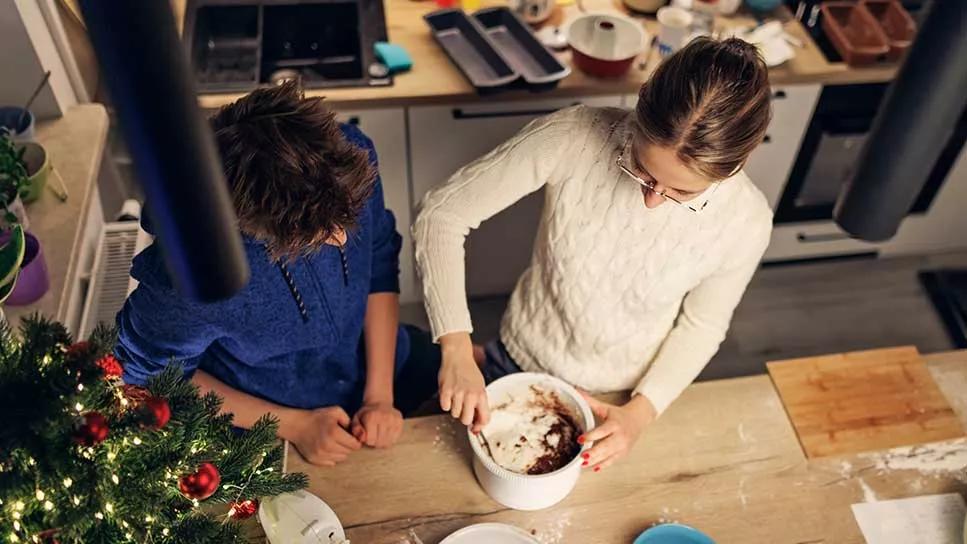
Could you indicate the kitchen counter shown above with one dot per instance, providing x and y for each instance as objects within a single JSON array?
[
  {"x": 75, "y": 144},
  {"x": 434, "y": 79},
  {"x": 723, "y": 458}
]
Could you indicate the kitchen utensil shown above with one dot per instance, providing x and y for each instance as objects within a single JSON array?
[
  {"x": 524, "y": 491},
  {"x": 673, "y": 533},
  {"x": 863, "y": 401},
  {"x": 33, "y": 96},
  {"x": 648, "y": 7},
  {"x": 854, "y": 32},
  {"x": 467, "y": 45},
  {"x": 675, "y": 29},
  {"x": 605, "y": 45},
  {"x": 519, "y": 47},
  {"x": 300, "y": 518},
  {"x": 490, "y": 533},
  {"x": 533, "y": 11},
  {"x": 896, "y": 23}
]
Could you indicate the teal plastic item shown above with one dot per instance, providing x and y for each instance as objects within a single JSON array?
[
  {"x": 673, "y": 533},
  {"x": 763, "y": 5},
  {"x": 393, "y": 56}
]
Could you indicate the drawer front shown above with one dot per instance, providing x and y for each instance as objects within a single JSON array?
[
  {"x": 805, "y": 240},
  {"x": 770, "y": 164},
  {"x": 387, "y": 129},
  {"x": 445, "y": 138}
]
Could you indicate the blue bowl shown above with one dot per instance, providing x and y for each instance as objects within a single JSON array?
[{"x": 673, "y": 533}]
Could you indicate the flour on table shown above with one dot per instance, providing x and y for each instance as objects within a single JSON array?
[
  {"x": 444, "y": 438},
  {"x": 939, "y": 459},
  {"x": 555, "y": 531}
]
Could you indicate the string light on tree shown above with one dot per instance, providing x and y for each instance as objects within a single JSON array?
[{"x": 120, "y": 431}]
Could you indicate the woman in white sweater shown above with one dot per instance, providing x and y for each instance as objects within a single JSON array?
[{"x": 649, "y": 235}]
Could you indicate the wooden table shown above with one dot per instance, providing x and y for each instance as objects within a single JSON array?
[
  {"x": 75, "y": 144},
  {"x": 434, "y": 79},
  {"x": 723, "y": 458}
]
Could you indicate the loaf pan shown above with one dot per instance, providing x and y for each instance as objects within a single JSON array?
[
  {"x": 469, "y": 47},
  {"x": 896, "y": 24},
  {"x": 514, "y": 40},
  {"x": 854, "y": 32}
]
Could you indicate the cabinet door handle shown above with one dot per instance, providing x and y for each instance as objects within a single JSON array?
[
  {"x": 458, "y": 113},
  {"x": 823, "y": 237},
  {"x": 779, "y": 95}
]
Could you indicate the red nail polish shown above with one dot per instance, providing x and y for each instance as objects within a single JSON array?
[
  {"x": 581, "y": 439},
  {"x": 586, "y": 455},
  {"x": 597, "y": 469},
  {"x": 584, "y": 464}
]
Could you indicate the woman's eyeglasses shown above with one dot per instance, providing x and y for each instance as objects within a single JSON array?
[{"x": 653, "y": 186}]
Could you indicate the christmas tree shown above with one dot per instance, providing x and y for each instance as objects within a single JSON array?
[{"x": 85, "y": 458}]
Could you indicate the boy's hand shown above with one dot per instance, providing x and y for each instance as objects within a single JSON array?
[
  {"x": 377, "y": 424},
  {"x": 620, "y": 428},
  {"x": 320, "y": 435},
  {"x": 462, "y": 389}
]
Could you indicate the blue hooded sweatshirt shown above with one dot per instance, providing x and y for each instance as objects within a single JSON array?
[{"x": 294, "y": 341}]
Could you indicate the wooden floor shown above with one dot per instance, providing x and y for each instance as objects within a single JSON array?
[{"x": 805, "y": 309}]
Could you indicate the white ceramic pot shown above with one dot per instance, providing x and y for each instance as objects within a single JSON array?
[{"x": 524, "y": 491}]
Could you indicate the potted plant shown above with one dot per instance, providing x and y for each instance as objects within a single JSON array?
[
  {"x": 33, "y": 280},
  {"x": 11, "y": 257},
  {"x": 14, "y": 182}
]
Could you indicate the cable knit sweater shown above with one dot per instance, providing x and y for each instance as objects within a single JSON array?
[{"x": 617, "y": 296}]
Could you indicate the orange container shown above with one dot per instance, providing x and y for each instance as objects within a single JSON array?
[
  {"x": 854, "y": 32},
  {"x": 896, "y": 23}
]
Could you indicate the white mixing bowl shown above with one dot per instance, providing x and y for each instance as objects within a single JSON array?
[{"x": 524, "y": 491}]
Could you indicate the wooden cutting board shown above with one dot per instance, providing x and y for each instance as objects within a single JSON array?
[{"x": 863, "y": 401}]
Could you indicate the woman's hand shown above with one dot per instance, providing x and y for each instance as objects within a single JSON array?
[
  {"x": 377, "y": 424},
  {"x": 320, "y": 435},
  {"x": 619, "y": 429},
  {"x": 462, "y": 387}
]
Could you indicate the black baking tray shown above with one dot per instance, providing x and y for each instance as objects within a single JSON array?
[
  {"x": 520, "y": 48},
  {"x": 469, "y": 47}
]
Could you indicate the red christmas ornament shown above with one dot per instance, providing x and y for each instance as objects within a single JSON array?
[
  {"x": 202, "y": 484},
  {"x": 77, "y": 350},
  {"x": 92, "y": 430},
  {"x": 244, "y": 509},
  {"x": 110, "y": 366},
  {"x": 156, "y": 412}
]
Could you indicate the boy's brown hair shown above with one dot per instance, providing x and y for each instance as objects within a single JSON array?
[
  {"x": 710, "y": 103},
  {"x": 294, "y": 178}
]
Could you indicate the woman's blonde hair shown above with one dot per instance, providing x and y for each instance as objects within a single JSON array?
[{"x": 710, "y": 103}]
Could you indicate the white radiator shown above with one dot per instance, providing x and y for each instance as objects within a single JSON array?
[{"x": 110, "y": 275}]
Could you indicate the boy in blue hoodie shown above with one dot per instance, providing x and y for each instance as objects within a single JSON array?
[{"x": 315, "y": 335}]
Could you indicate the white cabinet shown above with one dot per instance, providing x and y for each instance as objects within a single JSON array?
[
  {"x": 387, "y": 129},
  {"x": 770, "y": 164},
  {"x": 445, "y": 138}
]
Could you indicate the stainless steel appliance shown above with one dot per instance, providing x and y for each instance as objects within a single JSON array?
[
  {"x": 237, "y": 45},
  {"x": 830, "y": 152}
]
